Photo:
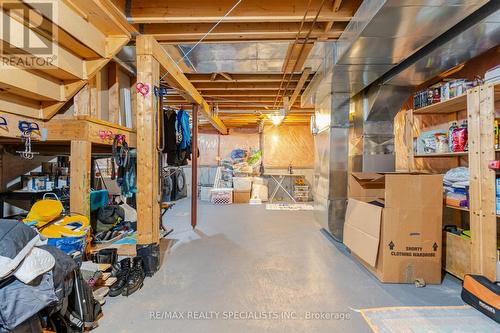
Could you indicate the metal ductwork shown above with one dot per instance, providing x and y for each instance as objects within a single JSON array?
[
  {"x": 473, "y": 36},
  {"x": 382, "y": 35}
]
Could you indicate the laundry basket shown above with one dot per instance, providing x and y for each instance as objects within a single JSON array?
[{"x": 221, "y": 196}]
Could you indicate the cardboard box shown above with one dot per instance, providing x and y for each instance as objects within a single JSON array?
[
  {"x": 240, "y": 197},
  {"x": 398, "y": 238},
  {"x": 366, "y": 186}
]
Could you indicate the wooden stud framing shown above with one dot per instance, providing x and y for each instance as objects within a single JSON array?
[
  {"x": 80, "y": 177},
  {"x": 114, "y": 93}
]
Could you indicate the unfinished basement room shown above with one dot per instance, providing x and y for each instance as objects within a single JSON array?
[{"x": 248, "y": 166}]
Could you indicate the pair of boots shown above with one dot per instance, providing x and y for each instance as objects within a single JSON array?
[{"x": 130, "y": 277}]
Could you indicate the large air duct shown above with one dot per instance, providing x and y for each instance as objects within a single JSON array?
[{"x": 382, "y": 35}]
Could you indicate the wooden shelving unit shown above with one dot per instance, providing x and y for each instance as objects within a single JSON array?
[
  {"x": 452, "y": 105},
  {"x": 479, "y": 104},
  {"x": 438, "y": 155}
]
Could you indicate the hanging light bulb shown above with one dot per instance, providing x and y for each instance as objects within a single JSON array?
[{"x": 276, "y": 119}]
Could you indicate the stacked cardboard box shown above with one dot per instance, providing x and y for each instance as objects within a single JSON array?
[{"x": 242, "y": 189}]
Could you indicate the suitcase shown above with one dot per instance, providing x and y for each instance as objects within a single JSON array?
[{"x": 482, "y": 294}]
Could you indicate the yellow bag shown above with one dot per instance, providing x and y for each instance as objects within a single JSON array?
[
  {"x": 44, "y": 211},
  {"x": 63, "y": 228}
]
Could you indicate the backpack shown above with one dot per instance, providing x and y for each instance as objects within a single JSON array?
[
  {"x": 83, "y": 310},
  {"x": 108, "y": 217}
]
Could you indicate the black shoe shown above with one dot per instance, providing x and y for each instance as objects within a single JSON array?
[
  {"x": 122, "y": 278},
  {"x": 135, "y": 277}
]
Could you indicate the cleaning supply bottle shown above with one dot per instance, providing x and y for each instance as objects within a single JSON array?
[
  {"x": 465, "y": 126},
  {"x": 452, "y": 128},
  {"x": 496, "y": 134}
]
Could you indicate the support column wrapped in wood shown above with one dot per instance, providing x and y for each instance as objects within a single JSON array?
[{"x": 148, "y": 180}]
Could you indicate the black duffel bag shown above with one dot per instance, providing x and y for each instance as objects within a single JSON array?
[{"x": 482, "y": 294}]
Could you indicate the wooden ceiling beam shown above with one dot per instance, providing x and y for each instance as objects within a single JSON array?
[
  {"x": 300, "y": 85},
  {"x": 104, "y": 15},
  {"x": 228, "y": 100},
  {"x": 254, "y": 77},
  {"x": 295, "y": 60},
  {"x": 203, "y": 11},
  {"x": 147, "y": 45},
  {"x": 175, "y": 33},
  {"x": 336, "y": 5},
  {"x": 203, "y": 86},
  {"x": 241, "y": 93}
]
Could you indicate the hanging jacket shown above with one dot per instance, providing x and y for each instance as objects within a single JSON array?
[
  {"x": 183, "y": 129},
  {"x": 170, "y": 135}
]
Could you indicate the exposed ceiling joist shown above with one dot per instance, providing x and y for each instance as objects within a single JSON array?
[
  {"x": 241, "y": 93},
  {"x": 203, "y": 11},
  {"x": 300, "y": 85},
  {"x": 218, "y": 85},
  {"x": 227, "y": 32},
  {"x": 254, "y": 77},
  {"x": 336, "y": 5},
  {"x": 296, "y": 58}
]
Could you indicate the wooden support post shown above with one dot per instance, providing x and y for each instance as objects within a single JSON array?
[
  {"x": 409, "y": 140},
  {"x": 80, "y": 177},
  {"x": 194, "y": 168},
  {"x": 483, "y": 220},
  {"x": 148, "y": 180}
]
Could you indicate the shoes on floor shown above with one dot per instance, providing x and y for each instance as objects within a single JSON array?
[
  {"x": 135, "y": 277},
  {"x": 122, "y": 275},
  {"x": 130, "y": 277}
]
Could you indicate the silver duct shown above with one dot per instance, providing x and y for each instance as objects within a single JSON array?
[{"x": 382, "y": 34}]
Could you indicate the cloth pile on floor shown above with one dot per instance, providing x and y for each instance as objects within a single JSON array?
[{"x": 37, "y": 283}]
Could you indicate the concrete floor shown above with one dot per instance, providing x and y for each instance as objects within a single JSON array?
[{"x": 243, "y": 260}]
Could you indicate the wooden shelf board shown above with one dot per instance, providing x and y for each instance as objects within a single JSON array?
[
  {"x": 461, "y": 208},
  {"x": 465, "y": 209},
  {"x": 452, "y": 105},
  {"x": 457, "y": 154}
]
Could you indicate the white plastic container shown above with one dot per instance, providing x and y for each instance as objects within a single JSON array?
[{"x": 242, "y": 184}]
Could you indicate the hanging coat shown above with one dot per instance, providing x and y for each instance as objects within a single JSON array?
[{"x": 183, "y": 130}]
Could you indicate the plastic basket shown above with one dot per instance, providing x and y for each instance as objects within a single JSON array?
[
  {"x": 69, "y": 244},
  {"x": 221, "y": 196},
  {"x": 303, "y": 188}
]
